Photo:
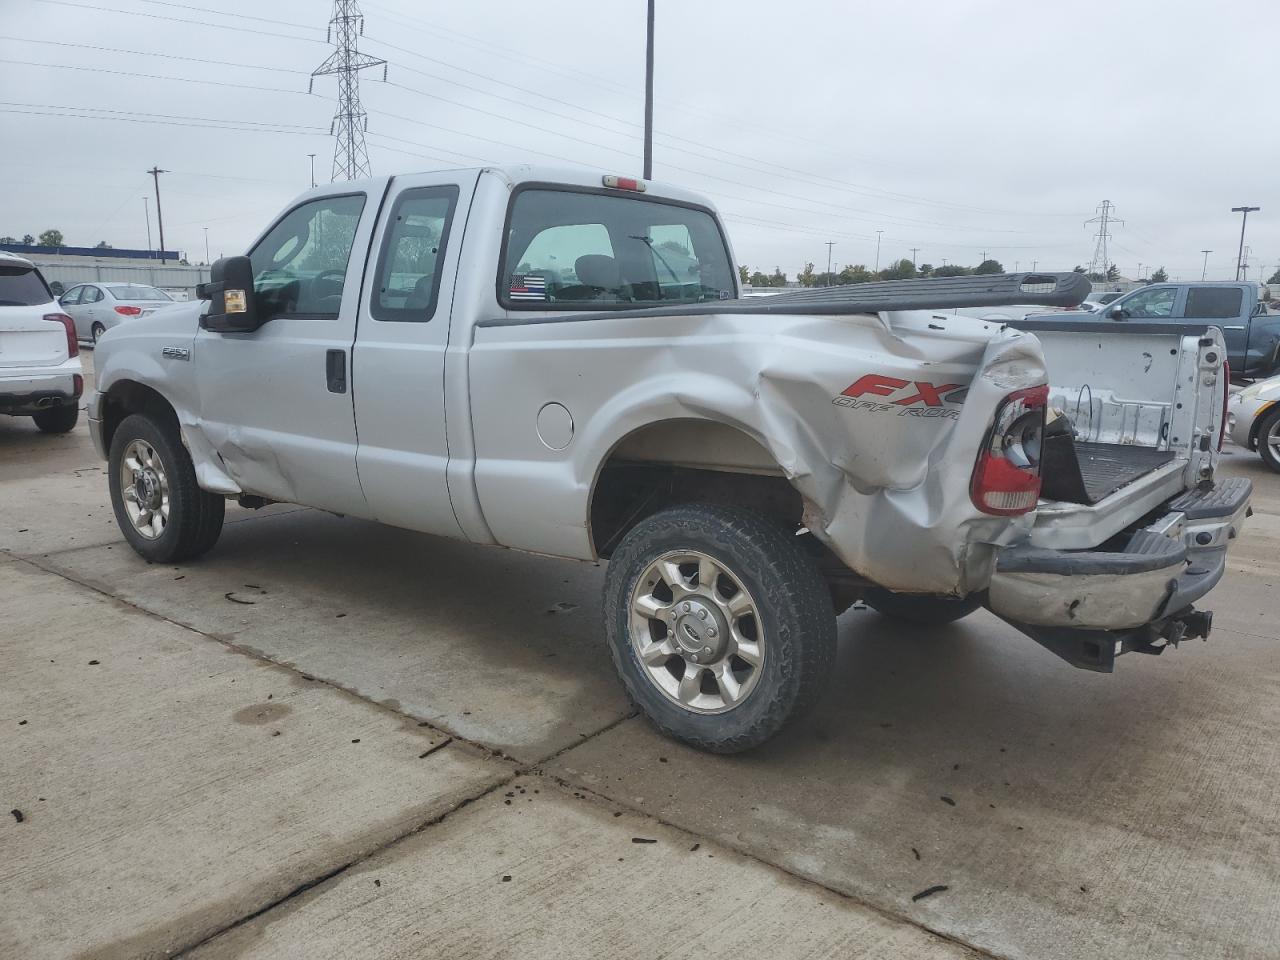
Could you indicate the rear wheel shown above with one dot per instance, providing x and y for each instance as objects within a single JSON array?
[
  {"x": 1269, "y": 438},
  {"x": 163, "y": 514},
  {"x": 97, "y": 331},
  {"x": 920, "y": 608},
  {"x": 720, "y": 626},
  {"x": 57, "y": 419}
]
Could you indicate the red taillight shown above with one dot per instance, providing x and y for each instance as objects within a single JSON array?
[
  {"x": 128, "y": 311},
  {"x": 1226, "y": 398},
  {"x": 623, "y": 183},
  {"x": 73, "y": 346},
  {"x": 77, "y": 382},
  {"x": 1006, "y": 479}
]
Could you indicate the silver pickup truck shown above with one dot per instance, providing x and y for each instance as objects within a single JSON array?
[{"x": 561, "y": 363}]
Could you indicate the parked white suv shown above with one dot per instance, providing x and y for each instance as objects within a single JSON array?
[{"x": 40, "y": 372}]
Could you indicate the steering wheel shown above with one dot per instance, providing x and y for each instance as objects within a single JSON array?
[{"x": 334, "y": 278}]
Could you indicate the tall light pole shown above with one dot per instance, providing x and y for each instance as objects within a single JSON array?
[
  {"x": 648, "y": 97},
  {"x": 146, "y": 212},
  {"x": 313, "y": 170},
  {"x": 830, "y": 244},
  {"x": 878, "y": 232},
  {"x": 206, "y": 244},
  {"x": 1204, "y": 271},
  {"x": 155, "y": 172},
  {"x": 1244, "y": 218},
  {"x": 914, "y": 251}
]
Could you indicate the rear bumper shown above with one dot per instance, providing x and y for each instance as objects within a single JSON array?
[
  {"x": 1089, "y": 606},
  {"x": 27, "y": 391}
]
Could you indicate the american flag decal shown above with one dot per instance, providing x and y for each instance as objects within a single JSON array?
[{"x": 528, "y": 288}]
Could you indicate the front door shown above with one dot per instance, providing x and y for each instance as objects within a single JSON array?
[
  {"x": 398, "y": 364},
  {"x": 276, "y": 402}
]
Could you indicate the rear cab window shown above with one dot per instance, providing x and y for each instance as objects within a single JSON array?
[
  {"x": 22, "y": 286},
  {"x": 568, "y": 249},
  {"x": 1214, "y": 303},
  {"x": 413, "y": 251}
]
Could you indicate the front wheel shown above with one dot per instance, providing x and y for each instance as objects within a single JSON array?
[
  {"x": 720, "y": 625},
  {"x": 1269, "y": 439},
  {"x": 161, "y": 511},
  {"x": 929, "y": 611}
]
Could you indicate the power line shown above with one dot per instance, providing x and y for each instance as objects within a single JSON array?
[
  {"x": 156, "y": 16},
  {"x": 165, "y": 119},
  {"x": 150, "y": 53},
  {"x": 153, "y": 76}
]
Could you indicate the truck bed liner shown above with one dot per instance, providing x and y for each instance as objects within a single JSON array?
[{"x": 1106, "y": 467}]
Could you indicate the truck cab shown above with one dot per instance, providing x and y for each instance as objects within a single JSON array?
[{"x": 1252, "y": 336}]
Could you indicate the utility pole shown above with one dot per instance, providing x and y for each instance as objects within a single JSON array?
[
  {"x": 1244, "y": 218},
  {"x": 1016, "y": 264},
  {"x": 1034, "y": 263},
  {"x": 313, "y": 170},
  {"x": 914, "y": 251},
  {"x": 830, "y": 244},
  {"x": 1139, "y": 276},
  {"x": 155, "y": 172},
  {"x": 206, "y": 245},
  {"x": 146, "y": 212},
  {"x": 878, "y": 232},
  {"x": 648, "y": 97},
  {"x": 1101, "y": 259},
  {"x": 1204, "y": 272},
  {"x": 350, "y": 155}
]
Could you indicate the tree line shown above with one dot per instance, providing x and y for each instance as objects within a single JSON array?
[
  {"x": 906, "y": 270},
  {"x": 859, "y": 273}
]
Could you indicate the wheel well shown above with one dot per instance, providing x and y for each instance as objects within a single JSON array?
[
  {"x": 128, "y": 397},
  {"x": 1256, "y": 429},
  {"x": 681, "y": 461}
]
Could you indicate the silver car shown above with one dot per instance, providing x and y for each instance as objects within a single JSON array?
[
  {"x": 97, "y": 307},
  {"x": 1253, "y": 420}
]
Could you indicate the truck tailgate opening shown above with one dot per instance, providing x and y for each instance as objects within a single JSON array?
[{"x": 1089, "y": 472}]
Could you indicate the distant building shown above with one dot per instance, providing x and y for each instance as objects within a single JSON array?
[{"x": 64, "y": 267}]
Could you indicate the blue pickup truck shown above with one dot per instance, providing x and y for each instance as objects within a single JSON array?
[{"x": 1252, "y": 335}]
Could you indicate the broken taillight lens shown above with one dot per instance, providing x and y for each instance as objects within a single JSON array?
[{"x": 1006, "y": 479}]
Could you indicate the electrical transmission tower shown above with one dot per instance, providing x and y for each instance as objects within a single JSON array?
[
  {"x": 1106, "y": 216},
  {"x": 350, "y": 155}
]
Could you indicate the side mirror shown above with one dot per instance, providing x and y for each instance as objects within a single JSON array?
[
  {"x": 232, "y": 307},
  {"x": 1116, "y": 313}
]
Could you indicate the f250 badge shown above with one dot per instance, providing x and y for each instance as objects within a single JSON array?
[{"x": 910, "y": 398}]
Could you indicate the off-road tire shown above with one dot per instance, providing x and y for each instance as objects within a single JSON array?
[
  {"x": 793, "y": 607},
  {"x": 57, "y": 419},
  {"x": 1270, "y": 421},
  {"x": 195, "y": 517},
  {"x": 918, "y": 608}
]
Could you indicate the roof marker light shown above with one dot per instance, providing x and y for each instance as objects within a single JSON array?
[{"x": 623, "y": 183}]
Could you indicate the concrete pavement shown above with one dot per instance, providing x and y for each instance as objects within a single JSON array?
[{"x": 1068, "y": 814}]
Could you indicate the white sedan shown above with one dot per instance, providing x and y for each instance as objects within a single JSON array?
[
  {"x": 97, "y": 307},
  {"x": 1253, "y": 420}
]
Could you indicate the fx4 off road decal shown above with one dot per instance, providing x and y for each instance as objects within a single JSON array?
[{"x": 876, "y": 393}]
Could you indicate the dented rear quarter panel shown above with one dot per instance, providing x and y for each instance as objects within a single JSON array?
[{"x": 885, "y": 477}]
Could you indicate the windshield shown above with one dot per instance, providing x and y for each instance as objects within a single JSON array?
[
  {"x": 603, "y": 250},
  {"x": 136, "y": 291},
  {"x": 22, "y": 287}
]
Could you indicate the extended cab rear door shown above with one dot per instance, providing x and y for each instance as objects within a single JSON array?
[
  {"x": 276, "y": 402},
  {"x": 398, "y": 363}
]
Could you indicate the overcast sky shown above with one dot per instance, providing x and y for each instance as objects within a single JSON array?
[{"x": 955, "y": 127}]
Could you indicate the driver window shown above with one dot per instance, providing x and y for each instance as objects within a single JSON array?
[
  {"x": 1151, "y": 304},
  {"x": 71, "y": 297},
  {"x": 300, "y": 266}
]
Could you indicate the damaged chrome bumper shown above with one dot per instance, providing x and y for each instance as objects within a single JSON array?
[{"x": 1090, "y": 606}]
